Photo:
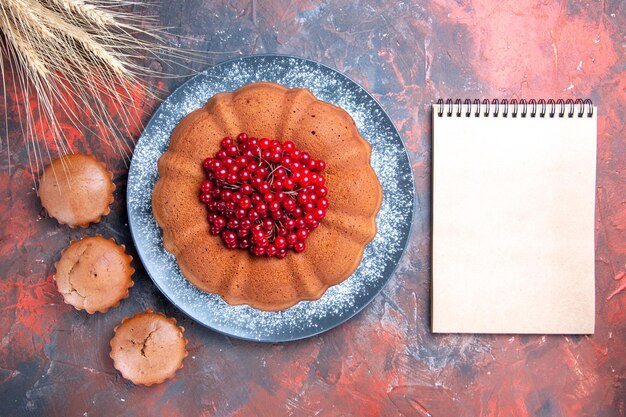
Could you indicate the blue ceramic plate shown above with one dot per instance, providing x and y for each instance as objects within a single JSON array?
[{"x": 339, "y": 303}]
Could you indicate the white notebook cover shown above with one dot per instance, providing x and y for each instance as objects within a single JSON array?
[{"x": 513, "y": 223}]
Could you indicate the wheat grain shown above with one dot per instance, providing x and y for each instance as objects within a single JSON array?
[{"x": 72, "y": 57}]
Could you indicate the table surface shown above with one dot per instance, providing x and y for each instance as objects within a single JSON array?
[{"x": 384, "y": 362}]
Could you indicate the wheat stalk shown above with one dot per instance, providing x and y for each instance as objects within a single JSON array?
[{"x": 71, "y": 57}]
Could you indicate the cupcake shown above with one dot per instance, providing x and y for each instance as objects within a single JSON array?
[
  {"x": 76, "y": 190},
  {"x": 94, "y": 274},
  {"x": 148, "y": 348}
]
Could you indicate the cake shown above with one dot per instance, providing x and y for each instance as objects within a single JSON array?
[
  {"x": 94, "y": 274},
  {"x": 148, "y": 348},
  {"x": 76, "y": 190},
  {"x": 333, "y": 250}
]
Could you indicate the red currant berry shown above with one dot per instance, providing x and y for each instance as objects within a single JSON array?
[
  {"x": 289, "y": 184},
  {"x": 302, "y": 234},
  {"x": 222, "y": 155},
  {"x": 268, "y": 224},
  {"x": 274, "y": 206},
  {"x": 290, "y": 224},
  {"x": 222, "y": 173},
  {"x": 280, "y": 173},
  {"x": 245, "y": 189},
  {"x": 262, "y": 172},
  {"x": 309, "y": 218},
  {"x": 242, "y": 138},
  {"x": 257, "y": 181},
  {"x": 227, "y": 142},
  {"x": 305, "y": 180},
  {"x": 245, "y": 203},
  {"x": 286, "y": 161},
  {"x": 275, "y": 157},
  {"x": 256, "y": 198},
  {"x": 219, "y": 222},
  {"x": 244, "y": 175},
  {"x": 216, "y": 164},
  {"x": 297, "y": 212},
  {"x": 264, "y": 188},
  {"x": 240, "y": 213},
  {"x": 271, "y": 250},
  {"x": 232, "y": 151},
  {"x": 303, "y": 198},
  {"x": 258, "y": 250},
  {"x": 319, "y": 214},
  {"x": 241, "y": 161},
  {"x": 289, "y": 204},
  {"x": 298, "y": 247},
  {"x": 264, "y": 143},
  {"x": 289, "y": 146},
  {"x": 226, "y": 195},
  {"x": 258, "y": 235},
  {"x": 229, "y": 235},
  {"x": 280, "y": 242},
  {"x": 278, "y": 185}
]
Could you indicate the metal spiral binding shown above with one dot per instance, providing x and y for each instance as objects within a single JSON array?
[{"x": 514, "y": 108}]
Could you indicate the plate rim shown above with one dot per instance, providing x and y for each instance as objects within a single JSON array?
[{"x": 273, "y": 338}]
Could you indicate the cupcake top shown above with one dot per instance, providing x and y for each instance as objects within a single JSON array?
[
  {"x": 94, "y": 274},
  {"x": 148, "y": 348},
  {"x": 76, "y": 190}
]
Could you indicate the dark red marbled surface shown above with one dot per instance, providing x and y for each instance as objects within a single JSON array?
[{"x": 385, "y": 362}]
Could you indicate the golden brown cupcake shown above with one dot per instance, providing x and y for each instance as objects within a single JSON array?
[
  {"x": 94, "y": 274},
  {"x": 148, "y": 348},
  {"x": 76, "y": 190}
]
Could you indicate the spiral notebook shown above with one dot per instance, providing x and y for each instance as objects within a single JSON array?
[{"x": 513, "y": 217}]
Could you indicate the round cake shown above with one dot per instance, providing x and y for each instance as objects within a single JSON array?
[
  {"x": 94, "y": 274},
  {"x": 333, "y": 250},
  {"x": 76, "y": 190},
  {"x": 148, "y": 348}
]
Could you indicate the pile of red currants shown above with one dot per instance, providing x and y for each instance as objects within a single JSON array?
[{"x": 263, "y": 195}]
